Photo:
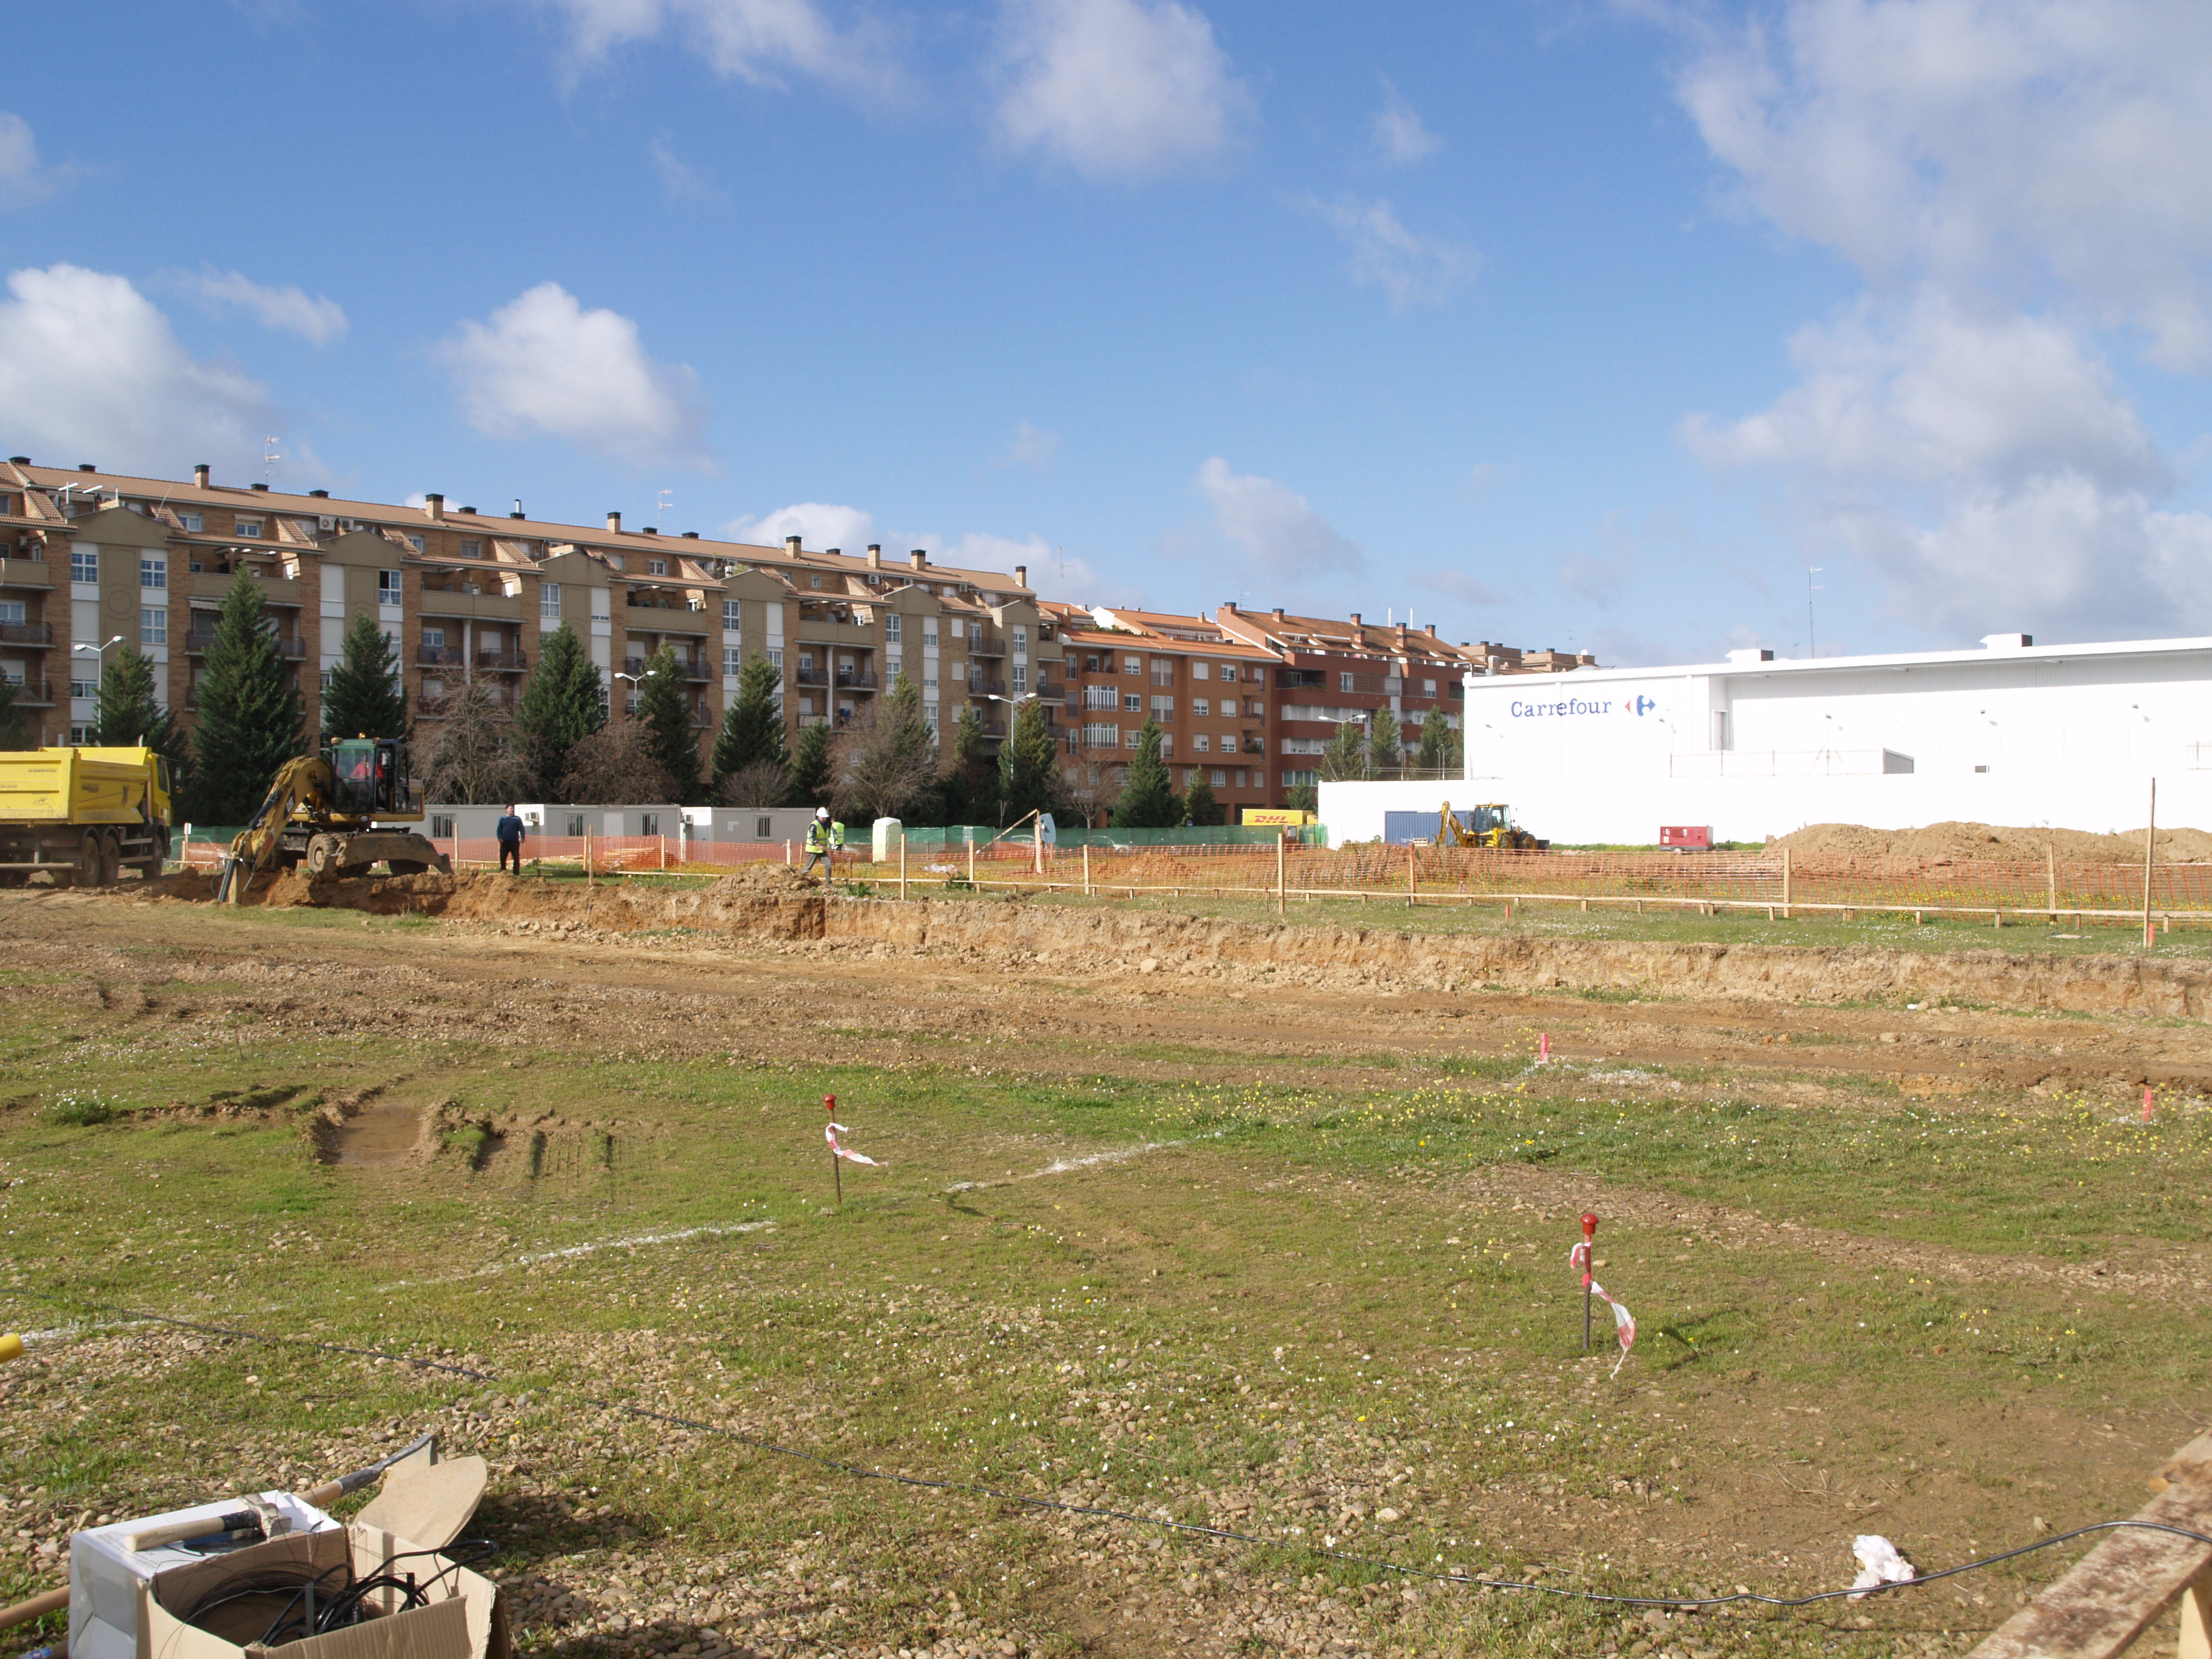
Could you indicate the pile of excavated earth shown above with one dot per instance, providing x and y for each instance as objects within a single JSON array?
[{"x": 1996, "y": 840}]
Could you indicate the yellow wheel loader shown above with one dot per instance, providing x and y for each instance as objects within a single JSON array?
[
  {"x": 1489, "y": 825},
  {"x": 336, "y": 811}
]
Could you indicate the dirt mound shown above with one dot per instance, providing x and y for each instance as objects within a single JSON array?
[
  {"x": 379, "y": 895},
  {"x": 1990, "y": 840},
  {"x": 759, "y": 876},
  {"x": 178, "y": 884}
]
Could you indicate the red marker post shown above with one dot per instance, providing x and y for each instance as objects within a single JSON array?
[
  {"x": 837, "y": 1175},
  {"x": 1590, "y": 1251}
]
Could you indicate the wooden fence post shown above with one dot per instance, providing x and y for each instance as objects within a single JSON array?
[
  {"x": 971, "y": 859},
  {"x": 2051, "y": 879},
  {"x": 587, "y": 855},
  {"x": 902, "y": 864},
  {"x": 1282, "y": 846},
  {"x": 1785, "y": 884},
  {"x": 2150, "y": 834},
  {"x": 1086, "y": 869},
  {"x": 1410, "y": 856}
]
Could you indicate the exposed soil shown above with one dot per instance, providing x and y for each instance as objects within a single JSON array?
[{"x": 1989, "y": 840}]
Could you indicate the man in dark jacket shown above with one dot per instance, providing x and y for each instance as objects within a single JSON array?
[{"x": 510, "y": 831}]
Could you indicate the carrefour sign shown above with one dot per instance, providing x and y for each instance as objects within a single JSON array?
[{"x": 1575, "y": 707}]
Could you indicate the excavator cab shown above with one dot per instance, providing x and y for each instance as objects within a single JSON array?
[{"x": 370, "y": 778}]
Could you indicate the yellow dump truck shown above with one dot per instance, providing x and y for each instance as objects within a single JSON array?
[{"x": 82, "y": 815}]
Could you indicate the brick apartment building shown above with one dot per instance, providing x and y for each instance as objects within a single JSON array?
[{"x": 86, "y": 558}]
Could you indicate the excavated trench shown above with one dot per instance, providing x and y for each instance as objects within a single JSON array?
[{"x": 770, "y": 903}]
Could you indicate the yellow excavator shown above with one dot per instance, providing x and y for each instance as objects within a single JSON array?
[
  {"x": 336, "y": 811},
  {"x": 1488, "y": 825}
]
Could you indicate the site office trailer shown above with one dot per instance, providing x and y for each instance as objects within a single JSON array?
[{"x": 2065, "y": 736}]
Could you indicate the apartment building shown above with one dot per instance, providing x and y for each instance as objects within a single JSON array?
[
  {"x": 1208, "y": 691},
  {"x": 465, "y": 597}
]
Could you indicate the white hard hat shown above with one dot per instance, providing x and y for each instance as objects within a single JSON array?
[{"x": 820, "y": 811}]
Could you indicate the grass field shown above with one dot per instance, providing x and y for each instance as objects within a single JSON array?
[{"x": 1320, "y": 1312}]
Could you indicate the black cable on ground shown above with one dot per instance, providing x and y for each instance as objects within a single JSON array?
[{"x": 861, "y": 1471}]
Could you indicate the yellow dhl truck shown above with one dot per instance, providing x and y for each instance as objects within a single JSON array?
[{"x": 82, "y": 815}]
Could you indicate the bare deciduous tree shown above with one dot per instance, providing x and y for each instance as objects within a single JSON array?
[
  {"x": 616, "y": 764},
  {"x": 472, "y": 760}
]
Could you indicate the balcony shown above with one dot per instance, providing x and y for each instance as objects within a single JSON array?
[
  {"x": 980, "y": 687},
  {"x": 214, "y": 584},
  {"x": 687, "y": 668},
  {"x": 993, "y": 728},
  {"x": 426, "y": 656},
  {"x": 1255, "y": 745},
  {"x": 986, "y": 648},
  {"x": 33, "y": 693},
  {"x": 511, "y": 660},
  {"x": 831, "y": 630},
  {"x": 199, "y": 638},
  {"x": 27, "y": 633},
  {"x": 855, "y": 679},
  {"x": 24, "y": 572},
  {"x": 810, "y": 676}
]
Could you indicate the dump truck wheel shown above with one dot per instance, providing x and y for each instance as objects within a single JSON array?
[
  {"x": 110, "y": 858},
  {"x": 321, "y": 853},
  {"x": 91, "y": 860}
]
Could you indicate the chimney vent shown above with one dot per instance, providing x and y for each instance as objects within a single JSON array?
[
  {"x": 832, "y": 552},
  {"x": 875, "y": 556},
  {"x": 919, "y": 559},
  {"x": 433, "y": 506},
  {"x": 791, "y": 547},
  {"x": 263, "y": 488},
  {"x": 1021, "y": 575},
  {"x": 614, "y": 522},
  {"x": 1279, "y": 613},
  {"x": 320, "y": 495},
  {"x": 200, "y": 475},
  {"x": 86, "y": 466},
  {"x": 649, "y": 529},
  {"x": 1355, "y": 619},
  {"x": 518, "y": 509},
  {"x": 690, "y": 535}
]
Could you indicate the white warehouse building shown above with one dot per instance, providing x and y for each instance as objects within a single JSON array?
[{"x": 2069, "y": 736}]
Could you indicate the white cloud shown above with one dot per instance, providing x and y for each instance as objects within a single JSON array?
[
  {"x": 542, "y": 363},
  {"x": 23, "y": 177},
  {"x": 1033, "y": 448},
  {"x": 1411, "y": 269},
  {"x": 90, "y": 370},
  {"x": 756, "y": 41},
  {"x": 817, "y": 524},
  {"x": 1117, "y": 89},
  {"x": 1400, "y": 137},
  {"x": 1458, "y": 585},
  {"x": 680, "y": 180},
  {"x": 318, "y": 321},
  {"x": 1278, "y": 531},
  {"x": 1970, "y": 141}
]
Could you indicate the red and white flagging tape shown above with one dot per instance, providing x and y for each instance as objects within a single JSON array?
[
  {"x": 830, "y": 1131},
  {"x": 1580, "y": 1258}
]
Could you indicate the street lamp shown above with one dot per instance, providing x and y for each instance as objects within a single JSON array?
[{"x": 99, "y": 650}]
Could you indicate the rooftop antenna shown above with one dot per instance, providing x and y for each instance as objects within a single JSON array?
[
  {"x": 667, "y": 498},
  {"x": 269, "y": 457},
  {"x": 1812, "y": 639}
]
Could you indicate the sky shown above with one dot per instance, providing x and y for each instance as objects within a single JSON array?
[{"x": 1650, "y": 328}]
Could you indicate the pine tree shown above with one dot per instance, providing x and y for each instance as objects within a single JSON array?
[
  {"x": 1386, "y": 749},
  {"x": 888, "y": 765},
  {"x": 1029, "y": 778},
  {"x": 250, "y": 712},
  {"x": 128, "y": 714},
  {"x": 1346, "y": 753},
  {"x": 810, "y": 767},
  {"x": 15, "y": 732},
  {"x": 1200, "y": 805},
  {"x": 969, "y": 788},
  {"x": 364, "y": 698},
  {"x": 752, "y": 726},
  {"x": 664, "y": 709},
  {"x": 1148, "y": 800},
  {"x": 559, "y": 707},
  {"x": 1440, "y": 749}
]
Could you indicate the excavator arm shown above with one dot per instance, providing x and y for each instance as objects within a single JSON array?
[{"x": 305, "y": 783}]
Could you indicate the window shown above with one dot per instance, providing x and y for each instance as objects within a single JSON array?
[
  {"x": 1299, "y": 780},
  {"x": 929, "y": 638},
  {"x": 152, "y": 570},
  {"x": 1134, "y": 738},
  {"x": 549, "y": 600},
  {"x": 471, "y": 549},
  {"x": 433, "y": 639},
  {"x": 1220, "y": 779},
  {"x": 84, "y": 564},
  {"x": 648, "y": 823},
  {"x": 805, "y": 664},
  {"x": 415, "y": 541},
  {"x": 814, "y": 581},
  {"x": 192, "y": 523},
  {"x": 1102, "y": 736},
  {"x": 1343, "y": 682},
  {"x": 1428, "y": 688},
  {"x": 893, "y": 628},
  {"x": 763, "y": 829},
  {"x": 776, "y": 661},
  {"x": 248, "y": 528},
  {"x": 733, "y": 615},
  {"x": 11, "y": 610},
  {"x": 1199, "y": 671},
  {"x": 1163, "y": 709},
  {"x": 154, "y": 625},
  {"x": 1132, "y": 704},
  {"x": 324, "y": 680},
  {"x": 929, "y": 713},
  {"x": 1200, "y": 743},
  {"x": 1167, "y": 744},
  {"x": 1100, "y": 696},
  {"x": 91, "y": 688},
  {"x": 1133, "y": 665},
  {"x": 1021, "y": 639},
  {"x": 656, "y": 568},
  {"x": 1021, "y": 677},
  {"x": 602, "y": 605},
  {"x": 1163, "y": 671},
  {"x": 1201, "y": 707},
  {"x": 733, "y": 659},
  {"x": 387, "y": 587},
  {"x": 575, "y": 830}
]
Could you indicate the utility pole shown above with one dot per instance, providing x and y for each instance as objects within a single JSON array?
[{"x": 1812, "y": 635}]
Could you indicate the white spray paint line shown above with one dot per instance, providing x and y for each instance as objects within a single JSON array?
[
  {"x": 590, "y": 1246},
  {"x": 1069, "y": 1166}
]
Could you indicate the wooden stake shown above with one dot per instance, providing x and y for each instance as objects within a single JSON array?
[
  {"x": 2051, "y": 879},
  {"x": 1086, "y": 869},
  {"x": 1786, "y": 915},
  {"x": 1589, "y": 1270},
  {"x": 901, "y": 864},
  {"x": 1410, "y": 856},
  {"x": 1282, "y": 846},
  {"x": 2151, "y": 835},
  {"x": 587, "y": 855},
  {"x": 836, "y": 1174},
  {"x": 971, "y": 859}
]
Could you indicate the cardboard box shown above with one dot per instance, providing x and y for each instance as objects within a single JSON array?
[
  {"x": 107, "y": 1579},
  {"x": 465, "y": 1618}
]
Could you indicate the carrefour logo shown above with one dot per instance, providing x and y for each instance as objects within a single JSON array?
[
  {"x": 1639, "y": 706},
  {"x": 1568, "y": 707}
]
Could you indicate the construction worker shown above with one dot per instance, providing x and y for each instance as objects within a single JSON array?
[{"x": 822, "y": 838}]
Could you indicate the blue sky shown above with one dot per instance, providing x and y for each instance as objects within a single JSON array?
[{"x": 1568, "y": 324}]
